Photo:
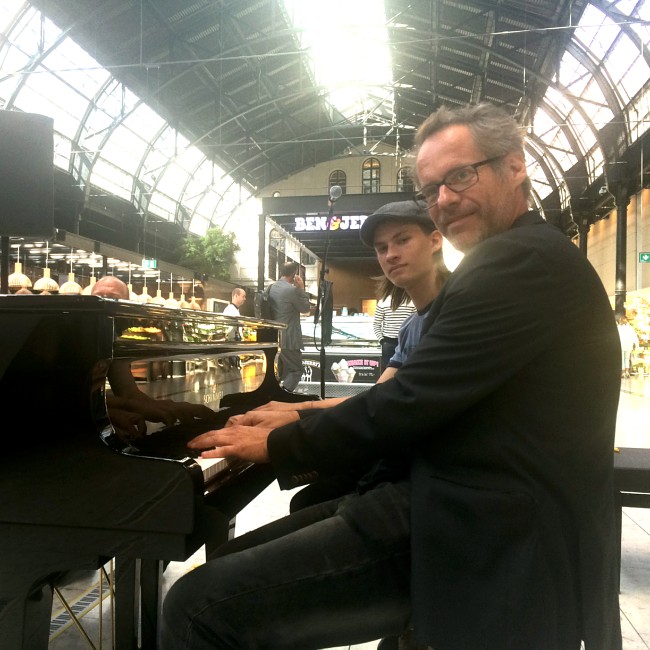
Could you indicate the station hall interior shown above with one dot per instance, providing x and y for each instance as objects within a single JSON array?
[{"x": 152, "y": 123}]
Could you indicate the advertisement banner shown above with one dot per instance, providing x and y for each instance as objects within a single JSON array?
[{"x": 348, "y": 368}]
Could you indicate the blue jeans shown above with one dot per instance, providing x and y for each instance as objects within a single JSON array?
[{"x": 333, "y": 574}]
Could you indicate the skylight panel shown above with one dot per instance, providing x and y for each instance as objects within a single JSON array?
[{"x": 347, "y": 43}]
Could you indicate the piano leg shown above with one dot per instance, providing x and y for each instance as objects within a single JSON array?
[
  {"x": 150, "y": 601},
  {"x": 138, "y": 600},
  {"x": 126, "y": 588}
]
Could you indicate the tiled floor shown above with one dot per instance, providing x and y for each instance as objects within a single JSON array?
[{"x": 633, "y": 430}]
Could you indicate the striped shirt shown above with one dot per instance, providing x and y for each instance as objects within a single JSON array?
[{"x": 386, "y": 322}]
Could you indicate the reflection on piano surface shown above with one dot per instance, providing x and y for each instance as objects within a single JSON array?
[{"x": 72, "y": 493}]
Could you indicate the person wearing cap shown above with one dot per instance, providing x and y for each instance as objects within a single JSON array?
[
  {"x": 503, "y": 535},
  {"x": 393, "y": 307}
]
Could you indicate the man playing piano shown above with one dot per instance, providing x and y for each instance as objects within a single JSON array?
[
  {"x": 501, "y": 534},
  {"x": 129, "y": 408}
]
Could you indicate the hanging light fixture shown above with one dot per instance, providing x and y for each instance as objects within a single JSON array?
[
  {"x": 89, "y": 289},
  {"x": 193, "y": 304},
  {"x": 171, "y": 302},
  {"x": 158, "y": 299},
  {"x": 144, "y": 297},
  {"x": 46, "y": 284},
  {"x": 182, "y": 303},
  {"x": 70, "y": 287},
  {"x": 132, "y": 295},
  {"x": 18, "y": 280}
]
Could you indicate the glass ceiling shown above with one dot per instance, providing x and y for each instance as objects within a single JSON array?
[{"x": 110, "y": 139}]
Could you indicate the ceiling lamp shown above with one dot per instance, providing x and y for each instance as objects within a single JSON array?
[
  {"x": 182, "y": 303},
  {"x": 144, "y": 297},
  {"x": 70, "y": 287},
  {"x": 158, "y": 298},
  {"x": 18, "y": 280},
  {"x": 171, "y": 302},
  {"x": 23, "y": 290},
  {"x": 89, "y": 289},
  {"x": 132, "y": 295},
  {"x": 193, "y": 304},
  {"x": 46, "y": 283}
]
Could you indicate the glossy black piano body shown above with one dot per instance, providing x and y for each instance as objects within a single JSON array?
[{"x": 72, "y": 494}]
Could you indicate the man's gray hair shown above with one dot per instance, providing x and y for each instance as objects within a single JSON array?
[{"x": 493, "y": 129}]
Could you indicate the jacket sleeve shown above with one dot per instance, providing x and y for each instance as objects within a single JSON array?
[{"x": 301, "y": 300}]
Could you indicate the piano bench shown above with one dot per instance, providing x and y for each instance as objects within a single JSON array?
[{"x": 631, "y": 485}]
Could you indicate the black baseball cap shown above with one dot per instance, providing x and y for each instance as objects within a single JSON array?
[{"x": 410, "y": 211}]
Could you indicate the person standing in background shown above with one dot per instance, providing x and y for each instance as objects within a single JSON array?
[
  {"x": 288, "y": 300},
  {"x": 629, "y": 342},
  {"x": 237, "y": 299},
  {"x": 393, "y": 308}
]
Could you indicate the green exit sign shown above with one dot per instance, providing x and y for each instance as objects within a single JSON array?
[
  {"x": 153, "y": 264},
  {"x": 644, "y": 257}
]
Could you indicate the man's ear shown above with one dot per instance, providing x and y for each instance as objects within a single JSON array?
[
  {"x": 436, "y": 240},
  {"x": 516, "y": 165}
]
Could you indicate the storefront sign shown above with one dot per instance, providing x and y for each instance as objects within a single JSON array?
[
  {"x": 347, "y": 222},
  {"x": 644, "y": 257}
]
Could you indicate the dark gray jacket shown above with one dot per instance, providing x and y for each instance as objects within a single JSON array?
[
  {"x": 508, "y": 406},
  {"x": 287, "y": 303}
]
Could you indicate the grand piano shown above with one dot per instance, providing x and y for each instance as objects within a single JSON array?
[{"x": 73, "y": 494}]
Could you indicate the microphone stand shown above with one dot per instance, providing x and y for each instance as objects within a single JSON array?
[{"x": 322, "y": 290}]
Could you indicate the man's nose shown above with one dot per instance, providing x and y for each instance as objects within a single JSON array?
[{"x": 447, "y": 196}]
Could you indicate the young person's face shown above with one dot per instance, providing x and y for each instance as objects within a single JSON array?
[
  {"x": 405, "y": 252},
  {"x": 486, "y": 208}
]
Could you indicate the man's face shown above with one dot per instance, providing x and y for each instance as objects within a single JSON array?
[
  {"x": 405, "y": 252},
  {"x": 490, "y": 206},
  {"x": 240, "y": 299}
]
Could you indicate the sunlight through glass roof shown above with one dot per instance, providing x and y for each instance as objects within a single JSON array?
[
  {"x": 108, "y": 137},
  {"x": 347, "y": 44}
]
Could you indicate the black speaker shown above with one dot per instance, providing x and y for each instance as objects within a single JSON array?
[{"x": 26, "y": 175}]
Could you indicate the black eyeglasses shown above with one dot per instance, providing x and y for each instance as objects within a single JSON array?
[{"x": 457, "y": 180}]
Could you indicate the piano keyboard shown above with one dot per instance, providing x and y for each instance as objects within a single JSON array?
[{"x": 211, "y": 467}]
